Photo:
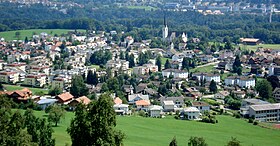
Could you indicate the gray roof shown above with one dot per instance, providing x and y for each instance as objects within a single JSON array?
[
  {"x": 134, "y": 96},
  {"x": 46, "y": 101},
  {"x": 255, "y": 101},
  {"x": 262, "y": 107}
]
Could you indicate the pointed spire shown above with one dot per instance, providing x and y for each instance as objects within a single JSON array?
[{"x": 164, "y": 20}]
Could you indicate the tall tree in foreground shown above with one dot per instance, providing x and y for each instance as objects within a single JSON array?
[
  {"x": 237, "y": 68},
  {"x": 96, "y": 123},
  {"x": 173, "y": 142},
  {"x": 90, "y": 77}
]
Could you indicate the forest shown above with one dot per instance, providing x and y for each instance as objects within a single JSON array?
[{"x": 142, "y": 24}]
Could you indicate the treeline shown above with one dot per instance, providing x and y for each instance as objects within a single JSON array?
[{"x": 143, "y": 24}]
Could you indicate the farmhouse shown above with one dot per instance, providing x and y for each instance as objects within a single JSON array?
[{"x": 250, "y": 41}]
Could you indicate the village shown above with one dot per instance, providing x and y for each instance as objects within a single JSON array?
[{"x": 152, "y": 82}]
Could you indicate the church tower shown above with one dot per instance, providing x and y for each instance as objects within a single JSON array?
[{"x": 164, "y": 30}]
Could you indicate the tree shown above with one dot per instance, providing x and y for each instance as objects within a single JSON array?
[
  {"x": 56, "y": 90},
  {"x": 1, "y": 87},
  {"x": 45, "y": 136},
  {"x": 185, "y": 63},
  {"x": 158, "y": 63},
  {"x": 197, "y": 141},
  {"x": 173, "y": 142},
  {"x": 237, "y": 68},
  {"x": 78, "y": 87},
  {"x": 95, "y": 78},
  {"x": 131, "y": 61},
  {"x": 233, "y": 142},
  {"x": 167, "y": 64},
  {"x": 90, "y": 77},
  {"x": 264, "y": 88},
  {"x": 213, "y": 87},
  {"x": 122, "y": 55},
  {"x": 274, "y": 80},
  {"x": 55, "y": 114},
  {"x": 31, "y": 124},
  {"x": 96, "y": 123}
]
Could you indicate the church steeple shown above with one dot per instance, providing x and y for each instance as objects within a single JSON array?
[{"x": 164, "y": 29}]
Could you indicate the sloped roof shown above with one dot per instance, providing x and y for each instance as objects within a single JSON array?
[
  {"x": 65, "y": 96},
  {"x": 117, "y": 100},
  {"x": 83, "y": 100},
  {"x": 142, "y": 102}
]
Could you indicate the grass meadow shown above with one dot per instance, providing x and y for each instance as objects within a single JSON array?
[
  {"x": 142, "y": 131},
  {"x": 34, "y": 90}
]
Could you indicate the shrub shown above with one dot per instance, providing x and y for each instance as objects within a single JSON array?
[
  {"x": 251, "y": 120},
  {"x": 255, "y": 123},
  {"x": 142, "y": 113}
]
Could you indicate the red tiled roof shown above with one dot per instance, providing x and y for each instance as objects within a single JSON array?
[
  {"x": 142, "y": 102},
  {"x": 65, "y": 96},
  {"x": 83, "y": 100},
  {"x": 117, "y": 100}
]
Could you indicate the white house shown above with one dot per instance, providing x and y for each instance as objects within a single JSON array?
[
  {"x": 201, "y": 106},
  {"x": 241, "y": 81},
  {"x": 190, "y": 113},
  {"x": 178, "y": 57},
  {"x": 155, "y": 111},
  {"x": 121, "y": 109},
  {"x": 246, "y": 103},
  {"x": 176, "y": 73},
  {"x": 208, "y": 77},
  {"x": 168, "y": 105}
]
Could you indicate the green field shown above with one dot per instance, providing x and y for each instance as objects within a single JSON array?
[
  {"x": 147, "y": 8},
  {"x": 11, "y": 35},
  {"x": 255, "y": 47},
  {"x": 159, "y": 132},
  {"x": 205, "y": 69},
  {"x": 34, "y": 90}
]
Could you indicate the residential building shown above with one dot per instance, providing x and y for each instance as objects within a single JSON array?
[
  {"x": 168, "y": 105},
  {"x": 201, "y": 106},
  {"x": 155, "y": 111},
  {"x": 83, "y": 99},
  {"x": 59, "y": 82},
  {"x": 121, "y": 109},
  {"x": 9, "y": 77},
  {"x": 265, "y": 112},
  {"x": 274, "y": 70},
  {"x": 276, "y": 94},
  {"x": 40, "y": 69},
  {"x": 190, "y": 113},
  {"x": 16, "y": 66},
  {"x": 135, "y": 97},
  {"x": 176, "y": 73},
  {"x": 241, "y": 81},
  {"x": 207, "y": 77},
  {"x": 35, "y": 80},
  {"x": 19, "y": 96},
  {"x": 142, "y": 105},
  {"x": 145, "y": 69},
  {"x": 64, "y": 98},
  {"x": 221, "y": 94}
]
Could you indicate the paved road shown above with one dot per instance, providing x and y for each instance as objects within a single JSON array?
[{"x": 212, "y": 63}]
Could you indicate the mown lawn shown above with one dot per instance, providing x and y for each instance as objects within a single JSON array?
[
  {"x": 34, "y": 90},
  {"x": 11, "y": 35},
  {"x": 159, "y": 132},
  {"x": 255, "y": 47},
  {"x": 205, "y": 69}
]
